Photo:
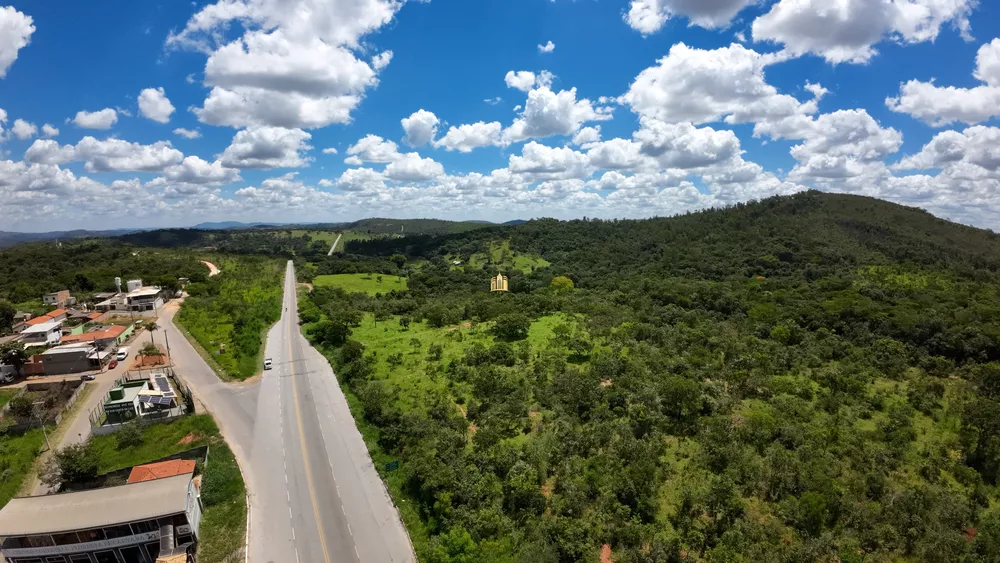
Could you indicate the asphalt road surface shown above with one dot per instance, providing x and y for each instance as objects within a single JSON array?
[{"x": 315, "y": 495}]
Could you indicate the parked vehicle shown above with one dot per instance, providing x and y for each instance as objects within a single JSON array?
[
  {"x": 267, "y": 363},
  {"x": 113, "y": 364},
  {"x": 88, "y": 377},
  {"x": 122, "y": 353}
]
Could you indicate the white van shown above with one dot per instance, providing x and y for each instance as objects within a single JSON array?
[
  {"x": 122, "y": 353},
  {"x": 267, "y": 363}
]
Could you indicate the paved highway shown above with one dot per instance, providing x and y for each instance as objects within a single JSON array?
[{"x": 315, "y": 495}]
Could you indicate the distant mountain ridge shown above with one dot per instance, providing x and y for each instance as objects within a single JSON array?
[
  {"x": 8, "y": 238},
  {"x": 373, "y": 225}
]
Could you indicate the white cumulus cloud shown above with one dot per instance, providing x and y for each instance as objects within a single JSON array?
[
  {"x": 547, "y": 48},
  {"x": 23, "y": 130},
  {"x": 421, "y": 127},
  {"x": 187, "y": 133},
  {"x": 109, "y": 155},
  {"x": 295, "y": 65},
  {"x": 648, "y": 16},
  {"x": 102, "y": 119},
  {"x": 467, "y": 137},
  {"x": 153, "y": 104},
  {"x": 942, "y": 105},
  {"x": 411, "y": 167},
  {"x": 846, "y": 31},
  {"x": 15, "y": 33},
  {"x": 267, "y": 147}
]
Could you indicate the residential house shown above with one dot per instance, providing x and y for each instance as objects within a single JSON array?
[
  {"x": 58, "y": 314},
  {"x": 45, "y": 333},
  {"x": 58, "y": 298},
  {"x": 145, "y": 299},
  {"x": 73, "y": 358},
  {"x": 104, "y": 337},
  {"x": 117, "y": 302}
]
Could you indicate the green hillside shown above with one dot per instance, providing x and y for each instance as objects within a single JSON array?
[{"x": 806, "y": 378}]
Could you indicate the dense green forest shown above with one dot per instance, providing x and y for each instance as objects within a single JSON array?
[
  {"x": 228, "y": 314},
  {"x": 290, "y": 241},
  {"x": 805, "y": 378},
  {"x": 86, "y": 266}
]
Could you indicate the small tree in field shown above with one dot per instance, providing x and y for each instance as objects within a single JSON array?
[
  {"x": 77, "y": 463},
  {"x": 512, "y": 326}
]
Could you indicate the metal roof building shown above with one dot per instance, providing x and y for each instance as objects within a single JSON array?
[{"x": 114, "y": 524}]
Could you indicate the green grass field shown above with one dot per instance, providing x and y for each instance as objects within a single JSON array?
[
  {"x": 17, "y": 455},
  {"x": 501, "y": 256},
  {"x": 223, "y": 492},
  {"x": 7, "y": 394},
  {"x": 325, "y": 236},
  {"x": 362, "y": 283},
  {"x": 417, "y": 374}
]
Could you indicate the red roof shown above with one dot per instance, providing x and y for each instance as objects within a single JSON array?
[
  {"x": 57, "y": 312},
  {"x": 39, "y": 320},
  {"x": 159, "y": 470},
  {"x": 94, "y": 315},
  {"x": 114, "y": 331}
]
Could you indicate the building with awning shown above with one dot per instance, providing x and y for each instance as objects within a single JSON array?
[{"x": 132, "y": 523}]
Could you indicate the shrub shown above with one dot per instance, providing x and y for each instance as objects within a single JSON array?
[
  {"x": 77, "y": 463},
  {"x": 130, "y": 435}
]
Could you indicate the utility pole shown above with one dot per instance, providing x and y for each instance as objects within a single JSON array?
[
  {"x": 40, "y": 423},
  {"x": 167, "y": 339}
]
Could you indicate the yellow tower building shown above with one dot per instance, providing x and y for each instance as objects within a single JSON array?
[{"x": 498, "y": 283}]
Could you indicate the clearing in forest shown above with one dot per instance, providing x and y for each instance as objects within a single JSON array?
[{"x": 372, "y": 284}]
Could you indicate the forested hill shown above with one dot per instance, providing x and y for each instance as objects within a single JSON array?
[
  {"x": 811, "y": 234},
  {"x": 805, "y": 378}
]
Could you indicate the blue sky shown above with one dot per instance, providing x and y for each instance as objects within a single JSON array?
[{"x": 175, "y": 113}]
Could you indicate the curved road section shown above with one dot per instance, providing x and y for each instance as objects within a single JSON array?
[{"x": 315, "y": 494}]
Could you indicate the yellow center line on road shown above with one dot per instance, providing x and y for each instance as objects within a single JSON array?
[{"x": 305, "y": 453}]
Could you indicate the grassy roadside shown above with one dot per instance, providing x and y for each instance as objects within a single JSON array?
[
  {"x": 220, "y": 372},
  {"x": 7, "y": 394},
  {"x": 27, "y": 483},
  {"x": 229, "y": 314},
  {"x": 223, "y": 492},
  {"x": 20, "y": 459}
]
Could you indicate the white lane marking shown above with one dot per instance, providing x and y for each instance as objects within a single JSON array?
[
  {"x": 288, "y": 495},
  {"x": 356, "y": 554},
  {"x": 293, "y": 533},
  {"x": 296, "y": 555},
  {"x": 289, "y": 512},
  {"x": 349, "y": 531}
]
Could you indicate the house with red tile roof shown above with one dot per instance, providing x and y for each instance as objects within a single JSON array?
[
  {"x": 161, "y": 470},
  {"x": 58, "y": 314},
  {"x": 102, "y": 337}
]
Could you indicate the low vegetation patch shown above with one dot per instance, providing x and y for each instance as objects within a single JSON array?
[
  {"x": 371, "y": 284},
  {"x": 17, "y": 456},
  {"x": 229, "y": 314}
]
